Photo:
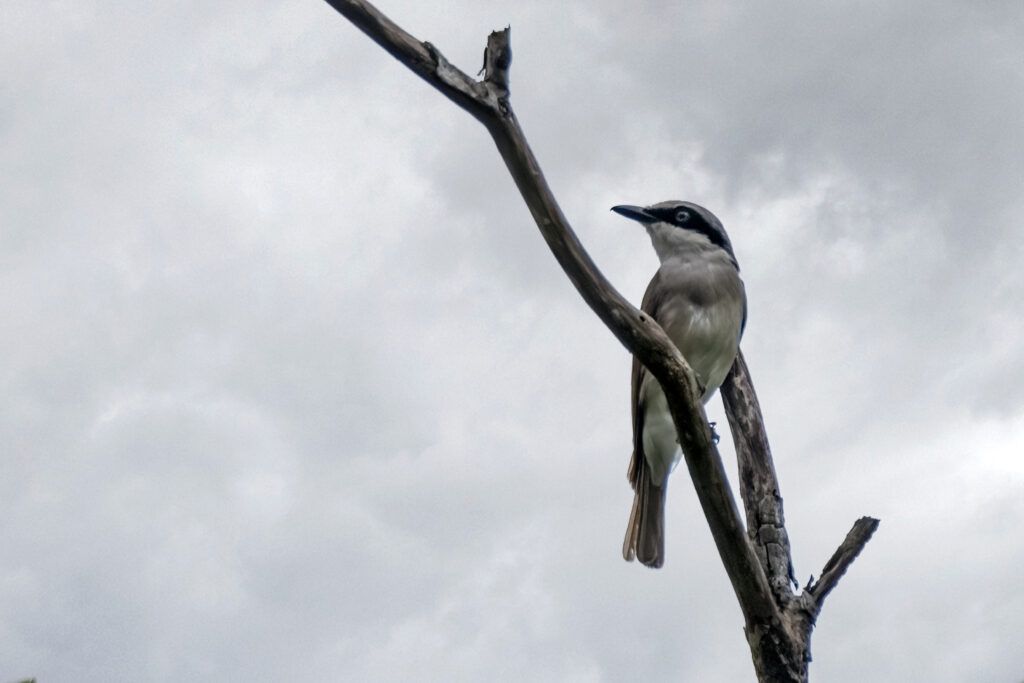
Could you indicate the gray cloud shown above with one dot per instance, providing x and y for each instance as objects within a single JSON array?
[{"x": 292, "y": 386}]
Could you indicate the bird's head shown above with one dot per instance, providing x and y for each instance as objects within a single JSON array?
[{"x": 679, "y": 227}]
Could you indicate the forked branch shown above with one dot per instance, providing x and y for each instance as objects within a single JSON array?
[{"x": 777, "y": 623}]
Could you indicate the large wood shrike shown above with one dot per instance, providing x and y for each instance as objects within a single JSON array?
[{"x": 698, "y": 298}]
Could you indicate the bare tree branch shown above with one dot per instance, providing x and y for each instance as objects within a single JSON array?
[
  {"x": 778, "y": 623},
  {"x": 843, "y": 557},
  {"x": 422, "y": 58},
  {"x": 759, "y": 485}
]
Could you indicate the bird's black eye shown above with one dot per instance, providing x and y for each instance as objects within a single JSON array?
[{"x": 682, "y": 216}]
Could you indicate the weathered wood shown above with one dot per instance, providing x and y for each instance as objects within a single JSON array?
[
  {"x": 843, "y": 557},
  {"x": 777, "y": 622},
  {"x": 759, "y": 485}
]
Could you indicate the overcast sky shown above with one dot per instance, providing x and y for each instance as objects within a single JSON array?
[{"x": 292, "y": 388}]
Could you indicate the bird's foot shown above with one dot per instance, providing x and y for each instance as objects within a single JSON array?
[{"x": 714, "y": 434}]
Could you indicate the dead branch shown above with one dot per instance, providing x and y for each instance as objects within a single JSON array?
[{"x": 778, "y": 623}]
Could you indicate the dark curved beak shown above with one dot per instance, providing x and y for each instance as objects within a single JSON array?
[{"x": 635, "y": 213}]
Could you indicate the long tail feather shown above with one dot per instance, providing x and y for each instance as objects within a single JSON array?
[{"x": 645, "y": 533}]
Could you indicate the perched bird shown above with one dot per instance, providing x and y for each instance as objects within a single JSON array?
[{"x": 698, "y": 298}]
